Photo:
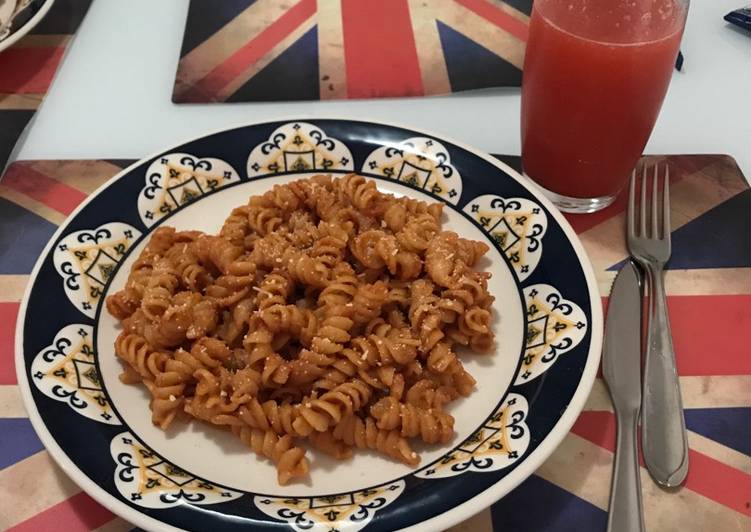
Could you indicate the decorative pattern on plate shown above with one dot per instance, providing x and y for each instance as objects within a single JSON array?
[
  {"x": 517, "y": 225},
  {"x": 66, "y": 371},
  {"x": 345, "y": 512},
  {"x": 298, "y": 147},
  {"x": 554, "y": 326},
  {"x": 500, "y": 442},
  {"x": 421, "y": 162},
  {"x": 86, "y": 260},
  {"x": 178, "y": 178},
  {"x": 144, "y": 479}
]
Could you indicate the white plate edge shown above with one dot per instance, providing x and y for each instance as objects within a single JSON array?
[{"x": 21, "y": 32}]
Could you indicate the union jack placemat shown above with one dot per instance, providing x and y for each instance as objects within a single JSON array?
[
  {"x": 266, "y": 50},
  {"x": 27, "y": 69},
  {"x": 709, "y": 287}
]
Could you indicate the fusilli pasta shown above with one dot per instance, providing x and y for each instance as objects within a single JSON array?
[{"x": 324, "y": 312}]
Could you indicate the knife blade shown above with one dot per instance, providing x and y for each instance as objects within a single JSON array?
[
  {"x": 621, "y": 358},
  {"x": 621, "y": 367}
]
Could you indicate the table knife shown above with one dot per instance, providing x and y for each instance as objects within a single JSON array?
[{"x": 621, "y": 367}]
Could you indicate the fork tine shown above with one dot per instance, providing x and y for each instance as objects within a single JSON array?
[
  {"x": 655, "y": 233},
  {"x": 666, "y": 204},
  {"x": 643, "y": 205},
  {"x": 631, "y": 211}
]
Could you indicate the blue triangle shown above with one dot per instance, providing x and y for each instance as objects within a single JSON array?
[
  {"x": 718, "y": 238},
  {"x": 291, "y": 76},
  {"x": 525, "y": 6},
  {"x": 728, "y": 426},
  {"x": 563, "y": 510},
  {"x": 472, "y": 66},
  {"x": 23, "y": 235},
  {"x": 207, "y": 18},
  {"x": 18, "y": 441}
]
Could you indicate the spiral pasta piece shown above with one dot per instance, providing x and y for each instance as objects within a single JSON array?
[
  {"x": 368, "y": 301},
  {"x": 163, "y": 283},
  {"x": 440, "y": 358},
  {"x": 426, "y": 394},
  {"x": 123, "y": 304},
  {"x": 398, "y": 347},
  {"x": 237, "y": 226},
  {"x": 418, "y": 232},
  {"x": 290, "y": 460},
  {"x": 340, "y": 292},
  {"x": 332, "y": 334},
  {"x": 425, "y": 315},
  {"x": 443, "y": 264},
  {"x": 271, "y": 415},
  {"x": 361, "y": 193},
  {"x": 333, "y": 405},
  {"x": 263, "y": 220},
  {"x": 431, "y": 426},
  {"x": 364, "y": 434},
  {"x": 475, "y": 321},
  {"x": 136, "y": 351}
]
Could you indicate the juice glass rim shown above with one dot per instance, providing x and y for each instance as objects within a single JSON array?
[{"x": 683, "y": 4}]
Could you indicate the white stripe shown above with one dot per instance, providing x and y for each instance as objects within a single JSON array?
[
  {"x": 253, "y": 69},
  {"x": 12, "y": 287},
  {"x": 332, "y": 69},
  {"x": 11, "y": 404},
  {"x": 584, "y": 469},
  {"x": 480, "y": 522},
  {"x": 483, "y": 32},
  {"x": 435, "y": 76},
  {"x": 719, "y": 452},
  {"x": 116, "y": 525},
  {"x": 698, "y": 282},
  {"x": 711, "y": 391},
  {"x": 32, "y": 486},
  {"x": 215, "y": 50}
]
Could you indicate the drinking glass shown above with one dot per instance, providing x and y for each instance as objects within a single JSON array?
[{"x": 595, "y": 75}]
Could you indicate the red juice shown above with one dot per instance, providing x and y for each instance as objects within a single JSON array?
[{"x": 595, "y": 75}]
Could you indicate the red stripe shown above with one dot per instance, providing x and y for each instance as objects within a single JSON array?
[
  {"x": 8, "y": 315},
  {"x": 29, "y": 70},
  {"x": 379, "y": 49},
  {"x": 36, "y": 185},
  {"x": 708, "y": 334},
  {"x": 497, "y": 17},
  {"x": 716, "y": 350},
  {"x": 708, "y": 477},
  {"x": 207, "y": 88},
  {"x": 80, "y": 513}
]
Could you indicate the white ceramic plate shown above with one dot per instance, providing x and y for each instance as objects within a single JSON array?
[{"x": 529, "y": 392}]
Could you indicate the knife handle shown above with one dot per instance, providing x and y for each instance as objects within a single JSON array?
[
  {"x": 664, "y": 441},
  {"x": 625, "y": 513}
]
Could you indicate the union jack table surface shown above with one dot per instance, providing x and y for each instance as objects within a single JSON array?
[
  {"x": 268, "y": 50},
  {"x": 28, "y": 67},
  {"x": 709, "y": 286}
]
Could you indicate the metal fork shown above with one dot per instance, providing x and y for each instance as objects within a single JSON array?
[{"x": 664, "y": 442}]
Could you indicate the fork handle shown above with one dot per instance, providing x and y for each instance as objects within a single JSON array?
[{"x": 664, "y": 441}]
